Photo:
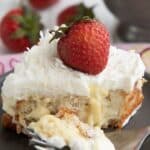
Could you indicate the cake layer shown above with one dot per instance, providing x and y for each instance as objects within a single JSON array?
[
  {"x": 112, "y": 109},
  {"x": 43, "y": 74}
]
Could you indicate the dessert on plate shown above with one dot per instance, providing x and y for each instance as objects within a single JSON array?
[{"x": 78, "y": 71}]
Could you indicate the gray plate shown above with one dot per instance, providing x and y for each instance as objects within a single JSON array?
[{"x": 9, "y": 140}]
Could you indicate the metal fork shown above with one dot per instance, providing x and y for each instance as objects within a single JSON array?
[
  {"x": 37, "y": 142},
  {"x": 122, "y": 139}
]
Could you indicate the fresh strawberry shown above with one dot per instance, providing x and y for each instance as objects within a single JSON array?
[
  {"x": 19, "y": 29},
  {"x": 74, "y": 12},
  {"x": 42, "y": 4},
  {"x": 85, "y": 46}
]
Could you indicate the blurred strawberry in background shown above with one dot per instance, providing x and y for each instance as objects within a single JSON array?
[
  {"x": 49, "y": 16},
  {"x": 42, "y": 4},
  {"x": 20, "y": 29},
  {"x": 73, "y": 13}
]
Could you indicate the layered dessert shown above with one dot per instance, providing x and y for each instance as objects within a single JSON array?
[
  {"x": 41, "y": 84},
  {"x": 101, "y": 84}
]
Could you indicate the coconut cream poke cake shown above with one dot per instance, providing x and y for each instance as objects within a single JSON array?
[{"x": 74, "y": 69}]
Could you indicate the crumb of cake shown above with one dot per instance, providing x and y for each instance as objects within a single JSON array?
[{"x": 64, "y": 110}]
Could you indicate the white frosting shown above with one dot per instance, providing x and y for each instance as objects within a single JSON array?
[{"x": 42, "y": 73}]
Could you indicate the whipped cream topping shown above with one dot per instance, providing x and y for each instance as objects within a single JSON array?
[
  {"x": 42, "y": 73},
  {"x": 70, "y": 131}
]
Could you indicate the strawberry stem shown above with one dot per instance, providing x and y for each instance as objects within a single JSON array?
[
  {"x": 82, "y": 11},
  {"x": 58, "y": 33},
  {"x": 62, "y": 30},
  {"x": 30, "y": 25}
]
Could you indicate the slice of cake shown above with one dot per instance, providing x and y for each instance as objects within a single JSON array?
[{"x": 44, "y": 82}]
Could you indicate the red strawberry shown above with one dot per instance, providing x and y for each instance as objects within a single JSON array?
[
  {"x": 74, "y": 12},
  {"x": 85, "y": 46},
  {"x": 42, "y": 4},
  {"x": 19, "y": 29}
]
